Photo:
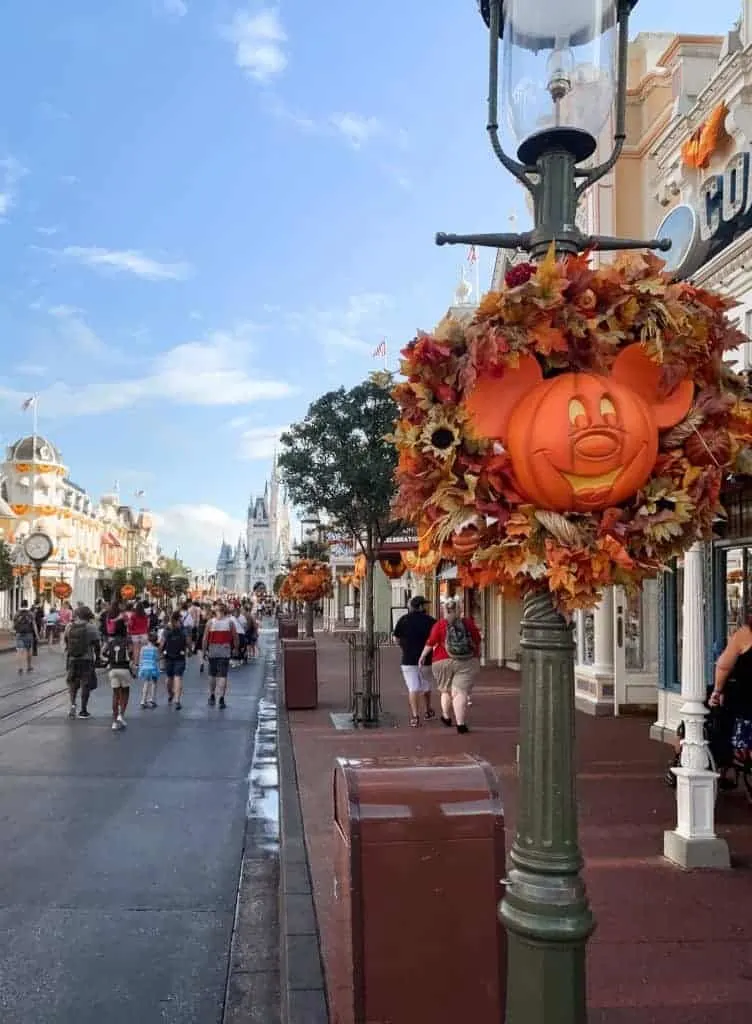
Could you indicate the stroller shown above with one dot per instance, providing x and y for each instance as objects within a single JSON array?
[{"x": 719, "y": 734}]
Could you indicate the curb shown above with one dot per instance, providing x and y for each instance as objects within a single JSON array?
[
  {"x": 252, "y": 992},
  {"x": 303, "y": 988}
]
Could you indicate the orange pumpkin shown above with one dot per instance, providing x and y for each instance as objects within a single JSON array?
[
  {"x": 62, "y": 589},
  {"x": 127, "y": 591},
  {"x": 579, "y": 442},
  {"x": 466, "y": 541}
]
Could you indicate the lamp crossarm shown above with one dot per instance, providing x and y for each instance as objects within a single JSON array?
[
  {"x": 608, "y": 243},
  {"x": 493, "y": 241}
]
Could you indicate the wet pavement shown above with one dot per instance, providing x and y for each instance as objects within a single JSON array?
[{"x": 120, "y": 853}]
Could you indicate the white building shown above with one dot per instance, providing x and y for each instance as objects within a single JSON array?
[{"x": 261, "y": 554}]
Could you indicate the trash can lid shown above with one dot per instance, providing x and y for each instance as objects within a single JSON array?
[{"x": 399, "y": 799}]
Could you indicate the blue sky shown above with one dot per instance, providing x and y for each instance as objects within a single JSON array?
[{"x": 211, "y": 213}]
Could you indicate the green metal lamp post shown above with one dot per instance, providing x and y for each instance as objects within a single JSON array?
[{"x": 564, "y": 68}]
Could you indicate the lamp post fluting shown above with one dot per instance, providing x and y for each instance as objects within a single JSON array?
[{"x": 564, "y": 69}]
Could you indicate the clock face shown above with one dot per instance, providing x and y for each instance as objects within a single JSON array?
[{"x": 38, "y": 547}]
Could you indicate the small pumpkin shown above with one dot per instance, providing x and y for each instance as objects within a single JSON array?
[
  {"x": 466, "y": 541},
  {"x": 579, "y": 442}
]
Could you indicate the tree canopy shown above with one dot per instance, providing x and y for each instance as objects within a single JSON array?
[{"x": 337, "y": 460}]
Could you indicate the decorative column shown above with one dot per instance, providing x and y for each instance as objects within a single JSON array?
[
  {"x": 693, "y": 843},
  {"x": 603, "y": 637}
]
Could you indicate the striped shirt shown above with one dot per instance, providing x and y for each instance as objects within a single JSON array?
[{"x": 219, "y": 638}]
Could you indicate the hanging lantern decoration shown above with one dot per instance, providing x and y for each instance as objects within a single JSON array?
[
  {"x": 62, "y": 590},
  {"x": 393, "y": 566},
  {"x": 127, "y": 592}
]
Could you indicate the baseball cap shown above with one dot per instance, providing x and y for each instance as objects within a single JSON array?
[{"x": 417, "y": 602}]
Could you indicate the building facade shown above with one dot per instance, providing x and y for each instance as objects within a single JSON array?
[
  {"x": 90, "y": 538},
  {"x": 258, "y": 556}
]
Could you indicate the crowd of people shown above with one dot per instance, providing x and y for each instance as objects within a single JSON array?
[{"x": 139, "y": 644}]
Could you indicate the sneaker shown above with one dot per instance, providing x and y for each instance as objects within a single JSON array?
[
  {"x": 212, "y": 700},
  {"x": 152, "y": 703},
  {"x": 222, "y": 703},
  {"x": 178, "y": 705},
  {"x": 84, "y": 714},
  {"x": 72, "y": 712},
  {"x": 201, "y": 667},
  {"x": 116, "y": 726},
  {"x": 462, "y": 729},
  {"x": 170, "y": 698},
  {"x": 122, "y": 721},
  {"x": 144, "y": 705},
  {"x": 446, "y": 721},
  {"x": 430, "y": 714}
]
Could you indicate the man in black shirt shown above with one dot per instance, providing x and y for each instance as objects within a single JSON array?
[{"x": 411, "y": 632}]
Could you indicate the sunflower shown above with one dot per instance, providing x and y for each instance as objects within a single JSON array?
[{"x": 440, "y": 436}]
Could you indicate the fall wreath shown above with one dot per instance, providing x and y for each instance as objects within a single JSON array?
[
  {"x": 308, "y": 580},
  {"x": 576, "y": 432}
]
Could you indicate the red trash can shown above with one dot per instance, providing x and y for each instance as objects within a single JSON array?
[
  {"x": 300, "y": 674},
  {"x": 419, "y": 867}
]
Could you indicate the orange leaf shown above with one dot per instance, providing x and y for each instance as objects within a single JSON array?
[{"x": 549, "y": 339}]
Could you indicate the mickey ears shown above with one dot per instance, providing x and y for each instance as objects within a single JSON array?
[
  {"x": 634, "y": 368},
  {"x": 492, "y": 400}
]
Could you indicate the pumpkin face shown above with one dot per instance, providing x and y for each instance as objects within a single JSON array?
[{"x": 579, "y": 442}]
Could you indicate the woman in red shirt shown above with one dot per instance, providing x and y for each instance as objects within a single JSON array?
[
  {"x": 454, "y": 643},
  {"x": 138, "y": 631}
]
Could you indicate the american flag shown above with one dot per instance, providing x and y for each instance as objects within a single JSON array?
[
  {"x": 140, "y": 494},
  {"x": 30, "y": 401},
  {"x": 472, "y": 256},
  {"x": 380, "y": 351}
]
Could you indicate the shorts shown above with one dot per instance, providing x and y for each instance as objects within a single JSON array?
[
  {"x": 456, "y": 675},
  {"x": 120, "y": 678},
  {"x": 174, "y": 667},
  {"x": 148, "y": 677},
  {"x": 24, "y": 642},
  {"x": 80, "y": 671},
  {"x": 416, "y": 679},
  {"x": 219, "y": 668}
]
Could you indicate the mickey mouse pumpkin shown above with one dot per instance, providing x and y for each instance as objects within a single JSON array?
[{"x": 579, "y": 442}]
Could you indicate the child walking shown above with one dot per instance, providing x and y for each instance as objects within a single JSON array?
[{"x": 148, "y": 672}]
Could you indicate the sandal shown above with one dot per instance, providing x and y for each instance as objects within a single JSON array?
[
  {"x": 430, "y": 714},
  {"x": 414, "y": 721}
]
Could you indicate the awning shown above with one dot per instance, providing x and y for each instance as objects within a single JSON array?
[{"x": 110, "y": 541}]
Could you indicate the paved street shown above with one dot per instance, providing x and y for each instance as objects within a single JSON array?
[{"x": 120, "y": 853}]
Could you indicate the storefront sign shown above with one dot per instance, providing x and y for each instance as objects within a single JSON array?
[{"x": 723, "y": 212}]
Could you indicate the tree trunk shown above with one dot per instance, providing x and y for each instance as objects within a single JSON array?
[
  {"x": 309, "y": 609},
  {"x": 370, "y": 694}
]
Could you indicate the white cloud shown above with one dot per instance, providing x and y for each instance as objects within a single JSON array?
[
  {"x": 30, "y": 370},
  {"x": 259, "y": 442},
  {"x": 127, "y": 260},
  {"x": 76, "y": 333},
  {"x": 11, "y": 173},
  {"x": 197, "y": 531},
  {"x": 215, "y": 372},
  {"x": 259, "y": 40},
  {"x": 177, "y": 8},
  {"x": 355, "y": 327},
  {"x": 48, "y": 230},
  {"x": 70, "y": 179},
  {"x": 356, "y": 129}
]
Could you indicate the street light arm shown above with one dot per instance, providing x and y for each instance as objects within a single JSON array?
[
  {"x": 608, "y": 243},
  {"x": 513, "y": 166},
  {"x": 620, "y": 134},
  {"x": 493, "y": 241}
]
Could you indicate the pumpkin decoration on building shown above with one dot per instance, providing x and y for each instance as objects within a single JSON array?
[
  {"x": 308, "y": 580},
  {"x": 62, "y": 590},
  {"x": 393, "y": 566},
  {"x": 580, "y": 427},
  {"x": 706, "y": 139},
  {"x": 127, "y": 591}
]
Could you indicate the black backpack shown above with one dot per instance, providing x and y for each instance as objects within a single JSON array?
[
  {"x": 116, "y": 652},
  {"x": 459, "y": 643},
  {"x": 23, "y": 623},
  {"x": 79, "y": 641},
  {"x": 174, "y": 643}
]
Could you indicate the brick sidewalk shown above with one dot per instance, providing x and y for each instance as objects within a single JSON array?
[{"x": 672, "y": 947}]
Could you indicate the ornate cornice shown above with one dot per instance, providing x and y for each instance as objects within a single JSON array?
[{"x": 735, "y": 257}]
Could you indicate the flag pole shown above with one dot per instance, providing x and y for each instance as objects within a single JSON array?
[{"x": 34, "y": 435}]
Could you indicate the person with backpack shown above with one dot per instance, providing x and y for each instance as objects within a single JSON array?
[
  {"x": 82, "y": 648},
  {"x": 174, "y": 646},
  {"x": 117, "y": 655},
  {"x": 454, "y": 646},
  {"x": 25, "y": 629}
]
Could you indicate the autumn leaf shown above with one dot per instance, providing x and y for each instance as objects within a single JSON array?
[{"x": 548, "y": 339}]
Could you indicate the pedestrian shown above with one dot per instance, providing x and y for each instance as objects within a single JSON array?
[
  {"x": 52, "y": 626},
  {"x": 25, "y": 629},
  {"x": 174, "y": 646},
  {"x": 220, "y": 643},
  {"x": 454, "y": 644},
  {"x": 411, "y": 632},
  {"x": 66, "y": 615},
  {"x": 253, "y": 632},
  {"x": 82, "y": 650},
  {"x": 118, "y": 657},
  {"x": 148, "y": 670},
  {"x": 138, "y": 631}
]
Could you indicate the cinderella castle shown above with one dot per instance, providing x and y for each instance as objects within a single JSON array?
[{"x": 258, "y": 557}]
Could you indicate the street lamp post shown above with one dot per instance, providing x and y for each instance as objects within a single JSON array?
[{"x": 564, "y": 66}]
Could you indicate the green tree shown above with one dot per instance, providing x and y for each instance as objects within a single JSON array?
[
  {"x": 338, "y": 460},
  {"x": 6, "y": 566}
]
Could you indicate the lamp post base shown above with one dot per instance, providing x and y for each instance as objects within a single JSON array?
[
  {"x": 545, "y": 910},
  {"x": 693, "y": 843}
]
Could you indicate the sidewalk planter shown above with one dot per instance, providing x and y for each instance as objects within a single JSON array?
[
  {"x": 419, "y": 865},
  {"x": 300, "y": 673},
  {"x": 288, "y": 629}
]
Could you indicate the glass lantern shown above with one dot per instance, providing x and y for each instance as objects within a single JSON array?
[{"x": 559, "y": 71}]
